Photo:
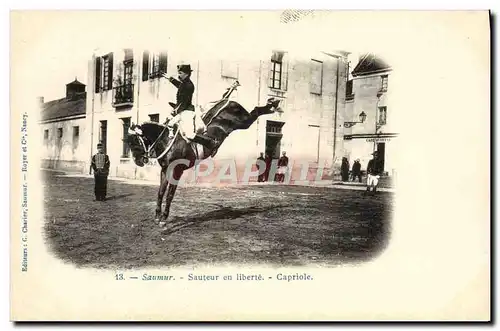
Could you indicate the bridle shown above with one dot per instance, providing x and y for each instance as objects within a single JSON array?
[{"x": 147, "y": 150}]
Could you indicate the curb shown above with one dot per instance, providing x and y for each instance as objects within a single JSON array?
[{"x": 322, "y": 183}]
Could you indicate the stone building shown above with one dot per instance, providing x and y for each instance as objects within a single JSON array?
[
  {"x": 63, "y": 130},
  {"x": 368, "y": 94},
  {"x": 126, "y": 87}
]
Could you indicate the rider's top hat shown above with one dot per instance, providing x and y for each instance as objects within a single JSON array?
[{"x": 186, "y": 68}]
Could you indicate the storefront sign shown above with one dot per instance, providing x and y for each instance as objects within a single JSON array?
[{"x": 378, "y": 140}]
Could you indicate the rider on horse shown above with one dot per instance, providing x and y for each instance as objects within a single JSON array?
[{"x": 184, "y": 111}]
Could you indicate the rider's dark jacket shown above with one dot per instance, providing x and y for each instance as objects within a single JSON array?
[
  {"x": 374, "y": 167},
  {"x": 185, "y": 90}
]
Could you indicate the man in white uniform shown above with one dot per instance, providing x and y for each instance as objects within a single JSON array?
[{"x": 374, "y": 170}]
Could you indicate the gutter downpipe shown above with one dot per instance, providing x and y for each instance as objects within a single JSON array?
[
  {"x": 139, "y": 81},
  {"x": 335, "y": 115},
  {"x": 92, "y": 117}
]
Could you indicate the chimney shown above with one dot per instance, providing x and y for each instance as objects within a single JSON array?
[
  {"x": 40, "y": 101},
  {"x": 74, "y": 88}
]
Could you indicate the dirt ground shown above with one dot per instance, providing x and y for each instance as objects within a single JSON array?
[{"x": 255, "y": 225}]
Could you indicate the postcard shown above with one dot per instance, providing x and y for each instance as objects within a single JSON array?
[{"x": 291, "y": 165}]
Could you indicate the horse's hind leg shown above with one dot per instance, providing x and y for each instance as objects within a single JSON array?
[
  {"x": 172, "y": 187},
  {"x": 161, "y": 193}
]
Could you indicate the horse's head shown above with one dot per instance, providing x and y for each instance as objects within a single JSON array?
[{"x": 137, "y": 147}]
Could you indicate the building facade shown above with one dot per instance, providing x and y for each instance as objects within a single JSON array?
[
  {"x": 126, "y": 86},
  {"x": 368, "y": 94},
  {"x": 63, "y": 130}
]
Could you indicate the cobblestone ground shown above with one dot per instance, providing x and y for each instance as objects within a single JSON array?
[{"x": 254, "y": 225}]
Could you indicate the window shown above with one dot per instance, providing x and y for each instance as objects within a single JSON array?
[
  {"x": 45, "y": 134},
  {"x": 124, "y": 91},
  {"x": 229, "y": 69},
  {"x": 128, "y": 69},
  {"x": 275, "y": 74},
  {"x": 349, "y": 95},
  {"x": 278, "y": 71},
  {"x": 316, "y": 77},
  {"x": 382, "y": 115},
  {"x": 129, "y": 54},
  {"x": 384, "y": 83},
  {"x": 153, "y": 65},
  {"x": 154, "y": 118},
  {"x": 274, "y": 127},
  {"x": 104, "y": 73},
  {"x": 128, "y": 66},
  {"x": 59, "y": 133},
  {"x": 126, "y": 126}
]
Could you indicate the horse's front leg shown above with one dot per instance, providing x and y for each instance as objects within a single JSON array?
[
  {"x": 172, "y": 187},
  {"x": 161, "y": 194}
]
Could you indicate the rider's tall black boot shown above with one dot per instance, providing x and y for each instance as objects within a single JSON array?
[{"x": 205, "y": 141}]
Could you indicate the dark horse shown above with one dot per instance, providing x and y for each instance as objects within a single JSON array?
[{"x": 222, "y": 119}]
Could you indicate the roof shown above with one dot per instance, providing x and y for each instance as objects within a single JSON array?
[
  {"x": 64, "y": 107},
  {"x": 370, "y": 64},
  {"x": 75, "y": 82}
]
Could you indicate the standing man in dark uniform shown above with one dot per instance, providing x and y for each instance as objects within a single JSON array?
[
  {"x": 356, "y": 170},
  {"x": 374, "y": 170},
  {"x": 184, "y": 109},
  {"x": 282, "y": 168},
  {"x": 100, "y": 165},
  {"x": 268, "y": 160}
]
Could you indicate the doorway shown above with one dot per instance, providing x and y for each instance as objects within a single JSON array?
[
  {"x": 273, "y": 138},
  {"x": 381, "y": 154}
]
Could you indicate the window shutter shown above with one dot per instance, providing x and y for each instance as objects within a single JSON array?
[
  {"x": 97, "y": 74},
  {"x": 110, "y": 73},
  {"x": 163, "y": 62},
  {"x": 270, "y": 74},
  {"x": 145, "y": 66},
  {"x": 284, "y": 75}
]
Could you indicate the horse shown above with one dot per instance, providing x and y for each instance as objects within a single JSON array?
[{"x": 223, "y": 118}]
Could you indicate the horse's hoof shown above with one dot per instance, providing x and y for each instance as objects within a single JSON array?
[{"x": 162, "y": 224}]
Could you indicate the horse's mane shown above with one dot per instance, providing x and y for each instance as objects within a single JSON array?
[{"x": 152, "y": 129}]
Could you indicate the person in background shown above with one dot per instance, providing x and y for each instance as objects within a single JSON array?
[
  {"x": 268, "y": 161},
  {"x": 282, "y": 168},
  {"x": 344, "y": 169},
  {"x": 356, "y": 170},
  {"x": 100, "y": 165},
  {"x": 261, "y": 177},
  {"x": 374, "y": 170}
]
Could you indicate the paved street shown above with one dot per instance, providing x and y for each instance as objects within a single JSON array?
[{"x": 270, "y": 224}]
